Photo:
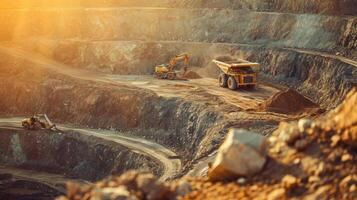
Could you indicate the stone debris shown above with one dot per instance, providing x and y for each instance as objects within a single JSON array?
[
  {"x": 241, "y": 181},
  {"x": 289, "y": 134},
  {"x": 289, "y": 181},
  {"x": 345, "y": 120},
  {"x": 277, "y": 194},
  {"x": 305, "y": 124},
  {"x": 349, "y": 136},
  {"x": 242, "y": 154},
  {"x": 183, "y": 188},
  {"x": 130, "y": 186}
]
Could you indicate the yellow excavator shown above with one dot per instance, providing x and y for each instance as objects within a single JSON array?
[
  {"x": 37, "y": 122},
  {"x": 167, "y": 71}
]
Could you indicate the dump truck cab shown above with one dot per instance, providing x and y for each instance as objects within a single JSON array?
[{"x": 237, "y": 74}]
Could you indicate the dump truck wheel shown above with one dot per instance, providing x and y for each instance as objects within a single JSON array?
[
  {"x": 232, "y": 84},
  {"x": 223, "y": 78}
]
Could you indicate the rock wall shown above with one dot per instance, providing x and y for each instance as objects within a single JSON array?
[
  {"x": 70, "y": 153},
  {"x": 349, "y": 37},
  {"x": 22, "y": 4},
  {"x": 197, "y": 25},
  {"x": 335, "y": 7},
  {"x": 340, "y": 7}
]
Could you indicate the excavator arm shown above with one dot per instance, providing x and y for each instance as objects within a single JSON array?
[
  {"x": 182, "y": 57},
  {"x": 47, "y": 122}
]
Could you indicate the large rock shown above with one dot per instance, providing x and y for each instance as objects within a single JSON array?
[
  {"x": 243, "y": 153},
  {"x": 344, "y": 119}
]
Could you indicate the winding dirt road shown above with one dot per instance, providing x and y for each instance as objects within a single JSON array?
[{"x": 158, "y": 152}]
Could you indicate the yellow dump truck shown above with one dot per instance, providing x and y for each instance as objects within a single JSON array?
[{"x": 237, "y": 73}]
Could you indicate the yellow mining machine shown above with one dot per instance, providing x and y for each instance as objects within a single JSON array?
[
  {"x": 37, "y": 122},
  {"x": 167, "y": 71},
  {"x": 237, "y": 73}
]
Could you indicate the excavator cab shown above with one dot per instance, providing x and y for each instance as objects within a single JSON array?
[
  {"x": 167, "y": 71},
  {"x": 37, "y": 122}
]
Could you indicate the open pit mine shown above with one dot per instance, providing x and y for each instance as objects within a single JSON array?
[{"x": 178, "y": 99}]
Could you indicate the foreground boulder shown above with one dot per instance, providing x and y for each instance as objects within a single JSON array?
[{"x": 242, "y": 154}]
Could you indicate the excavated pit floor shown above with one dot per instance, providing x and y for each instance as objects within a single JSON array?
[{"x": 200, "y": 89}]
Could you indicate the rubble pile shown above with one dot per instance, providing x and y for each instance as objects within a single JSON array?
[
  {"x": 308, "y": 159},
  {"x": 131, "y": 185},
  {"x": 288, "y": 102},
  {"x": 191, "y": 75}
]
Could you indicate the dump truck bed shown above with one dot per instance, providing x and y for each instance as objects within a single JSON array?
[{"x": 227, "y": 65}]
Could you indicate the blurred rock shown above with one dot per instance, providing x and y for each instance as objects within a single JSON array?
[
  {"x": 152, "y": 188},
  {"x": 305, "y": 124},
  {"x": 346, "y": 115},
  {"x": 118, "y": 193},
  {"x": 243, "y": 153},
  {"x": 301, "y": 145},
  {"x": 289, "y": 134},
  {"x": 241, "y": 181},
  {"x": 131, "y": 185},
  {"x": 350, "y": 136},
  {"x": 289, "y": 181},
  {"x": 345, "y": 119},
  {"x": 320, "y": 193},
  {"x": 347, "y": 182},
  {"x": 335, "y": 140},
  {"x": 277, "y": 194},
  {"x": 183, "y": 188}
]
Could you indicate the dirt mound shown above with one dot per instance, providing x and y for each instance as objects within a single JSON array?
[
  {"x": 288, "y": 102},
  {"x": 191, "y": 75}
]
